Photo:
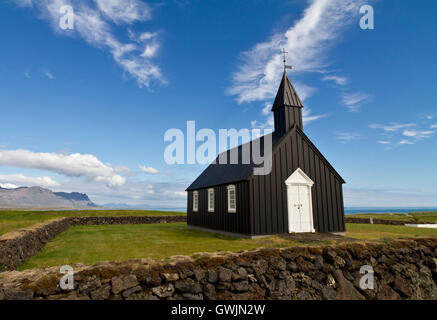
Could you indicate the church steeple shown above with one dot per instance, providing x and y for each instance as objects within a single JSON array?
[{"x": 287, "y": 108}]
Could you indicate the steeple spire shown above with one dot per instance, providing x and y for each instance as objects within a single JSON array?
[{"x": 287, "y": 108}]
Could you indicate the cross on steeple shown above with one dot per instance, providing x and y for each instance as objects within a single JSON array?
[{"x": 285, "y": 60}]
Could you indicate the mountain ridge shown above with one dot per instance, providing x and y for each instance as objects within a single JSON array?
[{"x": 38, "y": 197}]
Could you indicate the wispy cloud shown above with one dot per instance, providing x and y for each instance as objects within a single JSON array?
[
  {"x": 346, "y": 137},
  {"x": 22, "y": 180},
  {"x": 354, "y": 101},
  {"x": 148, "y": 170},
  {"x": 408, "y": 133},
  {"x": 306, "y": 41},
  {"x": 27, "y": 75},
  {"x": 72, "y": 165},
  {"x": 383, "y": 142},
  {"x": 49, "y": 75},
  {"x": 93, "y": 22},
  {"x": 339, "y": 80},
  {"x": 392, "y": 126}
]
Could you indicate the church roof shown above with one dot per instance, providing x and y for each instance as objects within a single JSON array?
[
  {"x": 287, "y": 95},
  {"x": 219, "y": 174}
]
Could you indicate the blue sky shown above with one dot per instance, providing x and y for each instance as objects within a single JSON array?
[{"x": 86, "y": 109}]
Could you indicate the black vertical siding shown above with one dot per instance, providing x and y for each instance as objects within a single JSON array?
[
  {"x": 221, "y": 219},
  {"x": 295, "y": 151}
]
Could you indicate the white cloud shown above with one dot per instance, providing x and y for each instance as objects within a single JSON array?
[
  {"x": 148, "y": 170},
  {"x": 124, "y": 11},
  {"x": 27, "y": 75},
  {"x": 306, "y": 41},
  {"x": 433, "y": 126},
  {"x": 93, "y": 22},
  {"x": 8, "y": 186},
  {"x": 383, "y": 142},
  {"x": 418, "y": 134},
  {"x": 353, "y": 101},
  {"x": 392, "y": 126},
  {"x": 406, "y": 142},
  {"x": 340, "y": 80},
  {"x": 23, "y": 180},
  {"x": 346, "y": 137},
  {"x": 72, "y": 165}
]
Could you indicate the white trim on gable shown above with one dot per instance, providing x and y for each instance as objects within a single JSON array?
[{"x": 299, "y": 177}]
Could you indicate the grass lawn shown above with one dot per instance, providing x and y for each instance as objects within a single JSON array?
[
  {"x": 410, "y": 217},
  {"x": 14, "y": 220},
  {"x": 90, "y": 244},
  {"x": 381, "y": 231}
]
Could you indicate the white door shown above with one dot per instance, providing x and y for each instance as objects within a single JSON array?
[{"x": 300, "y": 213}]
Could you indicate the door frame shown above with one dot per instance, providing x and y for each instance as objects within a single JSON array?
[{"x": 299, "y": 178}]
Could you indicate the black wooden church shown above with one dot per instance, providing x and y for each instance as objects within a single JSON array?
[{"x": 302, "y": 193}]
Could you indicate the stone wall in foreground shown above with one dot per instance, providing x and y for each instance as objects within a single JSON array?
[
  {"x": 18, "y": 246},
  {"x": 403, "y": 269}
]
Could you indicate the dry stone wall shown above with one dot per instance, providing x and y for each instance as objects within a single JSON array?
[
  {"x": 381, "y": 221},
  {"x": 16, "y": 247},
  {"x": 403, "y": 269}
]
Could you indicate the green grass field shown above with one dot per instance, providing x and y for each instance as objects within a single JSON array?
[
  {"x": 410, "y": 217},
  {"x": 14, "y": 220},
  {"x": 90, "y": 244}
]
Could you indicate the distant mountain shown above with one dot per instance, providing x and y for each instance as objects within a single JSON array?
[{"x": 37, "y": 197}]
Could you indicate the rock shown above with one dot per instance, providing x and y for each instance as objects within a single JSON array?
[
  {"x": 339, "y": 262},
  {"x": 170, "y": 277},
  {"x": 387, "y": 293},
  {"x": 328, "y": 293},
  {"x": 212, "y": 276},
  {"x": 209, "y": 291},
  {"x": 241, "y": 286},
  {"x": 259, "y": 267},
  {"x": 318, "y": 263},
  {"x": 240, "y": 274},
  {"x": 330, "y": 281},
  {"x": 190, "y": 296},
  {"x": 164, "y": 291},
  {"x": 117, "y": 285},
  {"x": 127, "y": 293},
  {"x": 252, "y": 278},
  {"x": 346, "y": 290},
  {"x": 188, "y": 285},
  {"x": 225, "y": 275},
  {"x": 12, "y": 294},
  {"x": 402, "y": 285},
  {"x": 277, "y": 263},
  {"x": 199, "y": 275},
  {"x": 130, "y": 281},
  {"x": 87, "y": 286},
  {"x": 153, "y": 279},
  {"x": 102, "y": 293},
  {"x": 2, "y": 295}
]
